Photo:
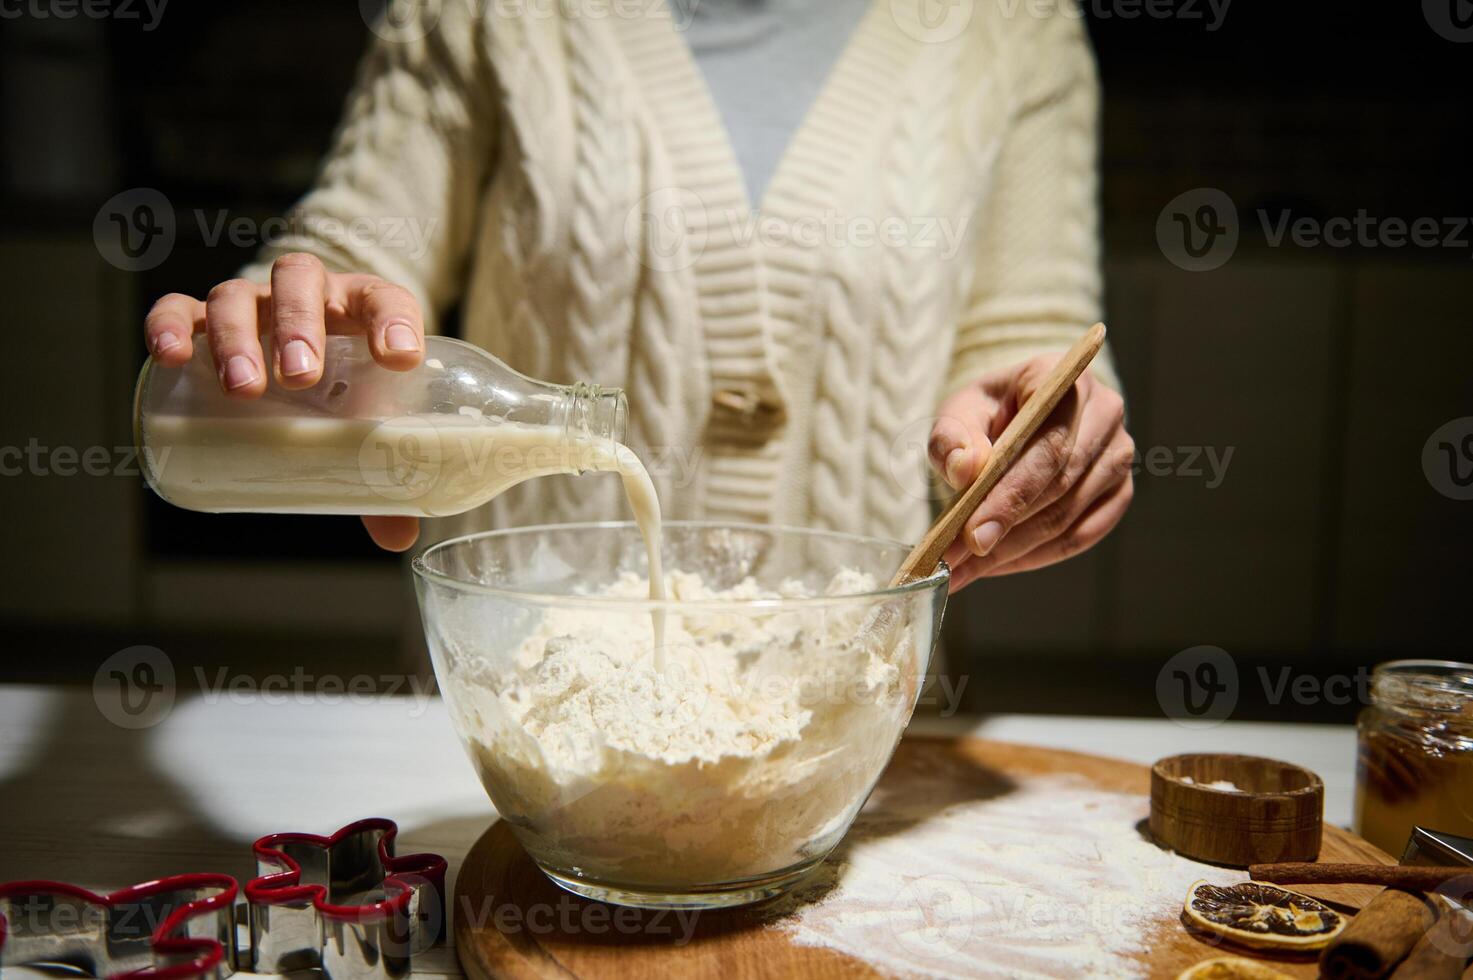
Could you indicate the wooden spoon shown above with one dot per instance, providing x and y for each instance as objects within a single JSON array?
[{"x": 924, "y": 558}]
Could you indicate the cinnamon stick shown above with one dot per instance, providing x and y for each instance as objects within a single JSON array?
[
  {"x": 1405, "y": 876},
  {"x": 1435, "y": 957},
  {"x": 1378, "y": 938}
]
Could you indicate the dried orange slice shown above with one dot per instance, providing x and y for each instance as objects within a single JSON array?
[
  {"x": 1231, "y": 968},
  {"x": 1261, "y": 916}
]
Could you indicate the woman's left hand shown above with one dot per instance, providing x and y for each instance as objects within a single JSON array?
[{"x": 1070, "y": 486}]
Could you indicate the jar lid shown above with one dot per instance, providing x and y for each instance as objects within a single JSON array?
[{"x": 1442, "y": 686}]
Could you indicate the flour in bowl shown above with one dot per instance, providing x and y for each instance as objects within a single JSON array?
[
  {"x": 1225, "y": 785},
  {"x": 746, "y": 754}
]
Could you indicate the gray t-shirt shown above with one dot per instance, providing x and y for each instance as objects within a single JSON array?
[{"x": 765, "y": 62}]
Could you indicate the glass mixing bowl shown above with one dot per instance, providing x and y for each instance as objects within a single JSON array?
[{"x": 716, "y": 770}]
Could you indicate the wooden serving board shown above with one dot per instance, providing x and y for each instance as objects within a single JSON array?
[{"x": 528, "y": 927}]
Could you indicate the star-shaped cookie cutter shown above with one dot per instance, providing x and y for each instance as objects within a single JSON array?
[
  {"x": 176, "y": 928},
  {"x": 344, "y": 903}
]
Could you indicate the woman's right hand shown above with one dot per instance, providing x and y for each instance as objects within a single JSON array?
[{"x": 303, "y": 303}]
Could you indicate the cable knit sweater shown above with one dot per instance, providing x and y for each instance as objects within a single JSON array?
[{"x": 560, "y": 171}]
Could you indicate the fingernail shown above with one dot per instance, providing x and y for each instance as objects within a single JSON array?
[
  {"x": 955, "y": 460},
  {"x": 164, "y": 343},
  {"x": 401, "y": 336},
  {"x": 985, "y": 538},
  {"x": 240, "y": 372},
  {"x": 296, "y": 358}
]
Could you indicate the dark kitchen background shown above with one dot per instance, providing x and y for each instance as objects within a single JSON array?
[{"x": 1324, "y": 369}]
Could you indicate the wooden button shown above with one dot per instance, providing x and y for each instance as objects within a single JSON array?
[{"x": 750, "y": 407}]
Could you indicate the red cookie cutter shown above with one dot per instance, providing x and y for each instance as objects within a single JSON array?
[
  {"x": 176, "y": 928},
  {"x": 343, "y": 904}
]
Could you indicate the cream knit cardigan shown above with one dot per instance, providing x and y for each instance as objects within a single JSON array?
[{"x": 573, "y": 188}]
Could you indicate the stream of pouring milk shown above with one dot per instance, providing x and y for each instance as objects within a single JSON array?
[{"x": 418, "y": 466}]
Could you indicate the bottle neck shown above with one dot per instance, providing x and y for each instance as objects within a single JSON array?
[{"x": 592, "y": 412}]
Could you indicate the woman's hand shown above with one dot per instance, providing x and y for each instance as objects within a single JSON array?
[
  {"x": 1069, "y": 487},
  {"x": 301, "y": 306}
]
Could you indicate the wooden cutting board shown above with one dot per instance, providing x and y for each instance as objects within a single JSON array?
[{"x": 535, "y": 929}]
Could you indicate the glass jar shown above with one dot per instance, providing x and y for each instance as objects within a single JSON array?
[
  {"x": 440, "y": 439},
  {"x": 1415, "y": 762}
]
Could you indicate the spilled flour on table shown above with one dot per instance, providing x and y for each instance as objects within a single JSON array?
[{"x": 1044, "y": 878}]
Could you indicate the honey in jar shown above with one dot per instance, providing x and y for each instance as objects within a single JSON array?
[{"x": 1415, "y": 764}]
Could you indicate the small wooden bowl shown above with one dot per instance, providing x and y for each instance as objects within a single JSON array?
[{"x": 1276, "y": 814}]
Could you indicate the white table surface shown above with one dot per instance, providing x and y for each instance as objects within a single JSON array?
[{"x": 82, "y": 800}]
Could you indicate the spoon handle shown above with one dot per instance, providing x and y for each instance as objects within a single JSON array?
[{"x": 1009, "y": 446}]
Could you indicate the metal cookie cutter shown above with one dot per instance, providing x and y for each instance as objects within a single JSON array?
[
  {"x": 1435, "y": 847},
  {"x": 343, "y": 904},
  {"x": 177, "y": 928}
]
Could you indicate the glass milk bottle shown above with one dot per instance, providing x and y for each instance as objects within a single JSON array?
[{"x": 440, "y": 439}]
